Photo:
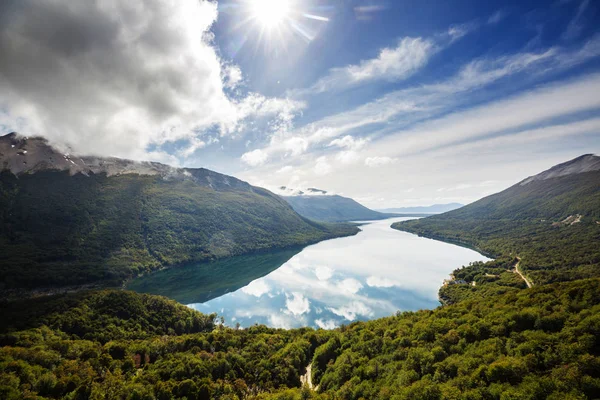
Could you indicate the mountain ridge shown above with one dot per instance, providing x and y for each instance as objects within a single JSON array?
[
  {"x": 535, "y": 220},
  {"x": 67, "y": 221},
  {"x": 432, "y": 209}
]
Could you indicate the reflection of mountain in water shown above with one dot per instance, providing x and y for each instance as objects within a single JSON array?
[{"x": 199, "y": 283}]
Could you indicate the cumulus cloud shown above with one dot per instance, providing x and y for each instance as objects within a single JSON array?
[
  {"x": 257, "y": 288},
  {"x": 349, "y": 285},
  {"x": 297, "y": 304},
  {"x": 349, "y": 142},
  {"x": 326, "y": 324},
  {"x": 255, "y": 157},
  {"x": 377, "y": 281},
  {"x": 352, "y": 310},
  {"x": 323, "y": 273},
  {"x": 116, "y": 77}
]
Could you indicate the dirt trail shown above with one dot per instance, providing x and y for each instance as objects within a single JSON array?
[
  {"x": 306, "y": 379},
  {"x": 517, "y": 271}
]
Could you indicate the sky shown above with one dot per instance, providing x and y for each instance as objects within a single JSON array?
[{"x": 393, "y": 103}]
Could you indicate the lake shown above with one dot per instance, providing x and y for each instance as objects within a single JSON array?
[{"x": 374, "y": 274}]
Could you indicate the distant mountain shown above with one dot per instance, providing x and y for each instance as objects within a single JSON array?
[
  {"x": 72, "y": 220},
  {"x": 434, "y": 209},
  {"x": 318, "y": 205},
  {"x": 550, "y": 220}
]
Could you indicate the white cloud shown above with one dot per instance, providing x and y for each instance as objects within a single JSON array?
[
  {"x": 349, "y": 285},
  {"x": 322, "y": 166},
  {"x": 257, "y": 288},
  {"x": 297, "y": 304},
  {"x": 326, "y": 324},
  {"x": 425, "y": 102},
  {"x": 497, "y": 17},
  {"x": 377, "y": 281},
  {"x": 534, "y": 107},
  {"x": 576, "y": 24},
  {"x": 352, "y": 310},
  {"x": 379, "y": 161},
  {"x": 255, "y": 157},
  {"x": 323, "y": 273},
  {"x": 392, "y": 64},
  {"x": 285, "y": 170},
  {"x": 349, "y": 142},
  {"x": 113, "y": 78}
]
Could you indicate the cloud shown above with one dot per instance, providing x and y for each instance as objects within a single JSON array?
[
  {"x": 323, "y": 273},
  {"x": 349, "y": 142},
  {"x": 297, "y": 304},
  {"x": 377, "y": 281},
  {"x": 326, "y": 324},
  {"x": 576, "y": 24},
  {"x": 257, "y": 288},
  {"x": 533, "y": 107},
  {"x": 349, "y": 285},
  {"x": 497, "y": 17},
  {"x": 352, "y": 310},
  {"x": 322, "y": 166},
  {"x": 392, "y": 112},
  {"x": 255, "y": 157},
  {"x": 456, "y": 32},
  {"x": 114, "y": 78},
  {"x": 285, "y": 170},
  {"x": 374, "y": 162},
  {"x": 392, "y": 64}
]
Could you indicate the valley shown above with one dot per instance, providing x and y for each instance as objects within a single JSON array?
[{"x": 373, "y": 274}]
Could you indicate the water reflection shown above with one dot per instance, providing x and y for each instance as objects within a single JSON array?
[
  {"x": 370, "y": 275},
  {"x": 198, "y": 283}
]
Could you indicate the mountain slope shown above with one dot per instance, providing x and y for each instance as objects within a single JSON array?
[
  {"x": 434, "y": 209},
  {"x": 68, "y": 220},
  {"x": 551, "y": 221},
  {"x": 320, "y": 206}
]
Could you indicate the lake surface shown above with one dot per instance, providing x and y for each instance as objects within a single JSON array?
[{"x": 370, "y": 275}]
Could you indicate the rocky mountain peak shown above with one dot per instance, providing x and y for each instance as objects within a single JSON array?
[{"x": 581, "y": 164}]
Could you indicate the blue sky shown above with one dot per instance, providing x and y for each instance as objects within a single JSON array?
[{"x": 395, "y": 103}]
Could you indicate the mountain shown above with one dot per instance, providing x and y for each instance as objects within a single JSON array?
[
  {"x": 551, "y": 221},
  {"x": 318, "y": 205},
  {"x": 434, "y": 209},
  {"x": 69, "y": 220}
]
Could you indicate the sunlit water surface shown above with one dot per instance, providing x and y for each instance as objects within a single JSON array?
[{"x": 370, "y": 275}]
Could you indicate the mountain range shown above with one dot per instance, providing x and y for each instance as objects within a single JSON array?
[
  {"x": 550, "y": 221},
  {"x": 72, "y": 220},
  {"x": 319, "y": 205},
  {"x": 433, "y": 209}
]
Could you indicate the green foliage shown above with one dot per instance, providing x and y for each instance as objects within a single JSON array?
[
  {"x": 537, "y": 343},
  {"x": 524, "y": 221},
  {"x": 333, "y": 209},
  {"x": 59, "y": 230}
]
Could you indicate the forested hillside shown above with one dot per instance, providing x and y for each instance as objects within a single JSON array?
[
  {"x": 540, "y": 343},
  {"x": 550, "y": 221},
  {"x": 57, "y": 229},
  {"x": 333, "y": 208}
]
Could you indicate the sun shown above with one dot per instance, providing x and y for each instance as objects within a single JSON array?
[{"x": 270, "y": 13}]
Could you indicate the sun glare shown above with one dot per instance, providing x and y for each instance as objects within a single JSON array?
[{"x": 270, "y": 13}]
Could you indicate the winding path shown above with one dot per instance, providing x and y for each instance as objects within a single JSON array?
[
  {"x": 517, "y": 271},
  {"x": 306, "y": 379}
]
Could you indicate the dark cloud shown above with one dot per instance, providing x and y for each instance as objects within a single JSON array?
[{"x": 113, "y": 77}]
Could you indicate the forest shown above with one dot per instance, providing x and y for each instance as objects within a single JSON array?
[
  {"x": 540, "y": 343},
  {"x": 58, "y": 230}
]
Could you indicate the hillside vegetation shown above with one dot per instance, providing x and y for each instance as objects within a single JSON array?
[
  {"x": 333, "y": 208},
  {"x": 542, "y": 343},
  {"x": 553, "y": 225},
  {"x": 57, "y": 229}
]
